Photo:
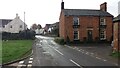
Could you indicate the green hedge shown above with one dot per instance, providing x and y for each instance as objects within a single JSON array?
[
  {"x": 26, "y": 34},
  {"x": 59, "y": 40}
]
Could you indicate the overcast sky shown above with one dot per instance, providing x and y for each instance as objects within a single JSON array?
[{"x": 48, "y": 11}]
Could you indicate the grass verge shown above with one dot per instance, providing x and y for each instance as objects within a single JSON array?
[
  {"x": 15, "y": 49},
  {"x": 116, "y": 55}
]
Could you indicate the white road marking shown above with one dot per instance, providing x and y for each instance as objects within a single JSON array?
[
  {"x": 87, "y": 53},
  {"x": 98, "y": 58},
  {"x": 104, "y": 60},
  {"x": 31, "y": 58},
  {"x": 76, "y": 63},
  {"x": 20, "y": 65},
  {"x": 30, "y": 62},
  {"x": 29, "y": 65},
  {"x": 21, "y": 62},
  {"x": 58, "y": 51},
  {"x": 53, "y": 42}
]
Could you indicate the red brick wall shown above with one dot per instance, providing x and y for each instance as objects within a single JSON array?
[
  {"x": 109, "y": 28},
  {"x": 66, "y": 27},
  {"x": 62, "y": 25}
]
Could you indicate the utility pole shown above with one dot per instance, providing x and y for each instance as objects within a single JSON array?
[{"x": 24, "y": 21}]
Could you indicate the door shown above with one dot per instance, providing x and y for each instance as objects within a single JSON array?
[{"x": 90, "y": 35}]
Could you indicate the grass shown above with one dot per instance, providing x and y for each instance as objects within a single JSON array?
[
  {"x": 0, "y": 52},
  {"x": 15, "y": 49},
  {"x": 116, "y": 55}
]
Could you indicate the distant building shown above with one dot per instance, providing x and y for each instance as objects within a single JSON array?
[
  {"x": 85, "y": 24},
  {"x": 39, "y": 31},
  {"x": 3, "y": 23},
  {"x": 47, "y": 28},
  {"x": 13, "y": 26},
  {"x": 55, "y": 29},
  {"x": 116, "y": 35}
]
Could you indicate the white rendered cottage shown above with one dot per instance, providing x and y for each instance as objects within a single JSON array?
[{"x": 15, "y": 26}]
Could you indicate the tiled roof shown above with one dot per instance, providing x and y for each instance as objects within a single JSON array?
[
  {"x": 85, "y": 12},
  {"x": 4, "y": 22},
  {"x": 117, "y": 18}
]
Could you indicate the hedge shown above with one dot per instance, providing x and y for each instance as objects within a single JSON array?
[{"x": 26, "y": 34}]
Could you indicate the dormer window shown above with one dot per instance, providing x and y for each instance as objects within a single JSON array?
[
  {"x": 75, "y": 21},
  {"x": 102, "y": 21}
]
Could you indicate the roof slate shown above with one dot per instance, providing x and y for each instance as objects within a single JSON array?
[
  {"x": 4, "y": 22},
  {"x": 85, "y": 12},
  {"x": 116, "y": 18}
]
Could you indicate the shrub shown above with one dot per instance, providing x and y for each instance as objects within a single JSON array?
[
  {"x": 26, "y": 34},
  {"x": 59, "y": 40}
]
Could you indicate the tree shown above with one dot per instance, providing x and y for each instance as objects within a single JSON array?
[
  {"x": 39, "y": 26},
  {"x": 34, "y": 26}
]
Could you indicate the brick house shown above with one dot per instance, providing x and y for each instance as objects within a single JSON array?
[
  {"x": 85, "y": 24},
  {"x": 116, "y": 34}
]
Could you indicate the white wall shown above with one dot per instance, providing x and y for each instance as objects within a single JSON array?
[{"x": 15, "y": 26}]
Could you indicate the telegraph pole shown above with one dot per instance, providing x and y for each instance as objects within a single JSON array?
[{"x": 24, "y": 21}]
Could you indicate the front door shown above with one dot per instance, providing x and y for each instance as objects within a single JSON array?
[{"x": 90, "y": 35}]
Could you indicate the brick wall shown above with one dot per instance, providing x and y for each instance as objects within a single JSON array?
[{"x": 86, "y": 23}]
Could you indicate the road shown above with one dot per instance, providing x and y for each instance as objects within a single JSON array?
[{"x": 47, "y": 53}]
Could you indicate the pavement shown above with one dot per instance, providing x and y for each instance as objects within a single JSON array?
[{"x": 103, "y": 50}]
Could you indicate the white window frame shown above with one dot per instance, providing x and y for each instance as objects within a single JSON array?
[
  {"x": 76, "y": 18},
  {"x": 102, "y": 21},
  {"x": 103, "y": 34},
  {"x": 77, "y": 35}
]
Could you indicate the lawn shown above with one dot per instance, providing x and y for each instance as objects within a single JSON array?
[
  {"x": 0, "y": 52},
  {"x": 15, "y": 49}
]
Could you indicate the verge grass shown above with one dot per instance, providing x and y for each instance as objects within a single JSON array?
[{"x": 15, "y": 49}]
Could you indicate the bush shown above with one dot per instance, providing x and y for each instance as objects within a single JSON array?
[
  {"x": 26, "y": 34},
  {"x": 59, "y": 40},
  {"x": 116, "y": 54}
]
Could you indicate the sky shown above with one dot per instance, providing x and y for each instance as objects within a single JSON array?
[{"x": 48, "y": 11}]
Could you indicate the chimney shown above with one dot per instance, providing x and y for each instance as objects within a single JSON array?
[
  {"x": 103, "y": 7},
  {"x": 62, "y": 5},
  {"x": 17, "y": 16}
]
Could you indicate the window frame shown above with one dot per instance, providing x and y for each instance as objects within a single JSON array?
[
  {"x": 102, "y": 21},
  {"x": 76, "y": 35},
  {"x": 102, "y": 34},
  {"x": 76, "y": 19}
]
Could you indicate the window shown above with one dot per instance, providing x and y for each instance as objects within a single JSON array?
[
  {"x": 76, "y": 35},
  {"x": 102, "y": 21},
  {"x": 20, "y": 26},
  {"x": 11, "y": 26},
  {"x": 102, "y": 34},
  {"x": 75, "y": 21}
]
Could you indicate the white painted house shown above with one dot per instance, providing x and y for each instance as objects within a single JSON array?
[
  {"x": 39, "y": 31},
  {"x": 15, "y": 26}
]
